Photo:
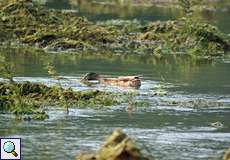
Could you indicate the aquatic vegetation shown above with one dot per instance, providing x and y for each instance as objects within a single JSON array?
[
  {"x": 160, "y": 90},
  {"x": 30, "y": 98},
  {"x": 125, "y": 26},
  {"x": 27, "y": 100},
  {"x": 12, "y": 99},
  {"x": 196, "y": 103},
  {"x": 117, "y": 147},
  {"x": 140, "y": 104},
  {"x": 32, "y": 24},
  {"x": 25, "y": 22},
  {"x": 186, "y": 35}
]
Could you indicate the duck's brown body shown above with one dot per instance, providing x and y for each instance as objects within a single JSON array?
[{"x": 125, "y": 81}]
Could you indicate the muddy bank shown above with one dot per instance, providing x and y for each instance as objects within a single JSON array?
[
  {"x": 118, "y": 146},
  {"x": 25, "y": 22}
]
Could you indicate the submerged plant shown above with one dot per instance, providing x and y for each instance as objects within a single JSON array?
[{"x": 161, "y": 88}]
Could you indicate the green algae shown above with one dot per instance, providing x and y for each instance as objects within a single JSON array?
[
  {"x": 188, "y": 36},
  {"x": 32, "y": 24},
  {"x": 30, "y": 98},
  {"x": 25, "y": 22}
]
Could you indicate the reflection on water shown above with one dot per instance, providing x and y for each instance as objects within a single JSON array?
[
  {"x": 97, "y": 11},
  {"x": 104, "y": 11},
  {"x": 172, "y": 126},
  {"x": 188, "y": 73}
]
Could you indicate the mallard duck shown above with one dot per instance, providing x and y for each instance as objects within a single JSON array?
[{"x": 124, "y": 81}]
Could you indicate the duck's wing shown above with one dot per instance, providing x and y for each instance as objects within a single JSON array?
[{"x": 128, "y": 78}]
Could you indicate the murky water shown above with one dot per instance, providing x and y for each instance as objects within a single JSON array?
[
  {"x": 199, "y": 90},
  {"x": 98, "y": 11},
  {"x": 173, "y": 127}
]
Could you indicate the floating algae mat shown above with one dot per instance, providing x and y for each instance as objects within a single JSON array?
[
  {"x": 32, "y": 24},
  {"x": 25, "y": 22},
  {"x": 28, "y": 99}
]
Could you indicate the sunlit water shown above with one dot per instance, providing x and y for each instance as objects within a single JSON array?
[{"x": 174, "y": 126}]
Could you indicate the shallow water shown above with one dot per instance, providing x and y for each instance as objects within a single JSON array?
[
  {"x": 98, "y": 11},
  {"x": 167, "y": 134},
  {"x": 175, "y": 126}
]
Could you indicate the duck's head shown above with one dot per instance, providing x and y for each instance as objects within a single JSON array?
[
  {"x": 135, "y": 82},
  {"x": 91, "y": 76}
]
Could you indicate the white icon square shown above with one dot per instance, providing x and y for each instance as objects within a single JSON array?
[{"x": 10, "y": 149}]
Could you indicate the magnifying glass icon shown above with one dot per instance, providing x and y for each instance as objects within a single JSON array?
[{"x": 9, "y": 147}]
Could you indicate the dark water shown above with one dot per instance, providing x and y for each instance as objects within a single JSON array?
[
  {"x": 200, "y": 90},
  {"x": 173, "y": 127}
]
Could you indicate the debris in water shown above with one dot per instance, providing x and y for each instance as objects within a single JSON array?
[
  {"x": 117, "y": 147},
  {"x": 227, "y": 155},
  {"x": 217, "y": 124}
]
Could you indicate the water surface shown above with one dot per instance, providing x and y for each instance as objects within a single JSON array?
[
  {"x": 175, "y": 126},
  {"x": 98, "y": 11}
]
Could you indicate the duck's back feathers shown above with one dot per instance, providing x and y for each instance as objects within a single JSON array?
[{"x": 128, "y": 78}]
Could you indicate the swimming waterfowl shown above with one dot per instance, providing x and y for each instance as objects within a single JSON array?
[{"x": 124, "y": 81}]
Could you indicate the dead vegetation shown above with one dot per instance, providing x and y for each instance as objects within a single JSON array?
[{"x": 117, "y": 147}]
